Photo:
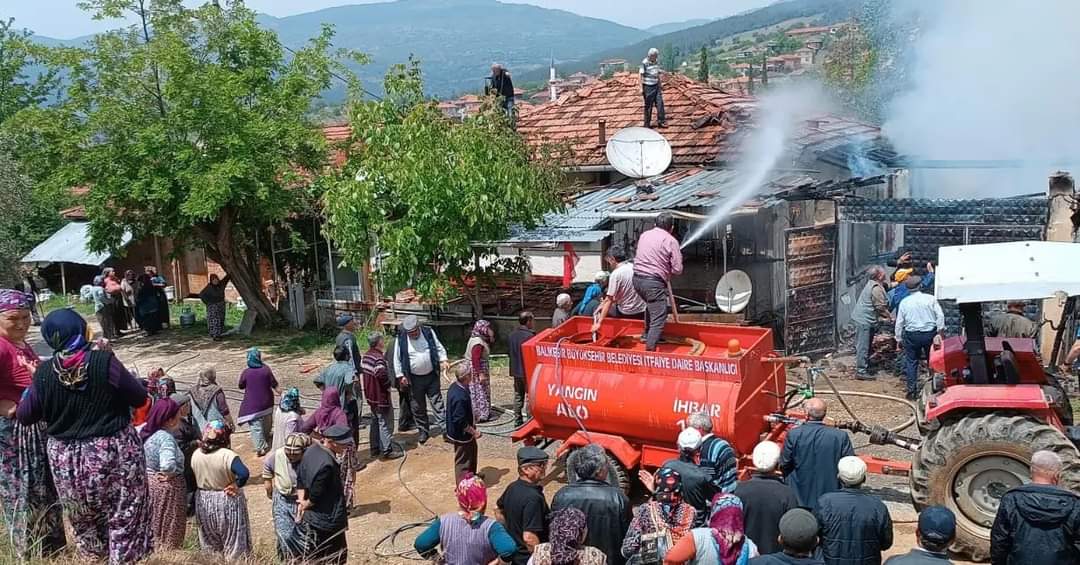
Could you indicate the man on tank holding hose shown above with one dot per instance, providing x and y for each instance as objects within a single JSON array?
[{"x": 658, "y": 259}]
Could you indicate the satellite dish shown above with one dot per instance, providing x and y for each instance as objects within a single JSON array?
[
  {"x": 638, "y": 152},
  {"x": 733, "y": 292}
]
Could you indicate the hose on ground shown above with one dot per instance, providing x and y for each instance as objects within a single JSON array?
[{"x": 840, "y": 394}]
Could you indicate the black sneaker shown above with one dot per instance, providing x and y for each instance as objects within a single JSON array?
[
  {"x": 518, "y": 423},
  {"x": 423, "y": 438},
  {"x": 865, "y": 377},
  {"x": 391, "y": 455}
]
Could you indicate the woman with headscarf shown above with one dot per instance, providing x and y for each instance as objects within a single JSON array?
[
  {"x": 593, "y": 295},
  {"x": 666, "y": 512},
  {"x": 187, "y": 437},
  {"x": 147, "y": 306},
  {"x": 479, "y": 352},
  {"x": 467, "y": 537},
  {"x": 288, "y": 417},
  {"x": 567, "y": 546},
  {"x": 85, "y": 397},
  {"x": 257, "y": 408},
  {"x": 213, "y": 296},
  {"x": 129, "y": 290},
  {"x": 165, "y": 475},
  {"x": 208, "y": 400},
  {"x": 724, "y": 542},
  {"x": 279, "y": 480},
  {"x": 114, "y": 288},
  {"x": 27, "y": 494},
  {"x": 220, "y": 505},
  {"x": 327, "y": 415}
]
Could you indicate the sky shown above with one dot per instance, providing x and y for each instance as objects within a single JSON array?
[{"x": 62, "y": 19}]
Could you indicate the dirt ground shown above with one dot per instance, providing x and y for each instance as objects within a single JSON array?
[{"x": 384, "y": 502}]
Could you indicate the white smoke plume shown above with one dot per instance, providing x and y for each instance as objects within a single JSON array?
[
  {"x": 777, "y": 118},
  {"x": 990, "y": 80}
]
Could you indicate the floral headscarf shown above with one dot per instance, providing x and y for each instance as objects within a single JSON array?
[
  {"x": 471, "y": 496},
  {"x": 668, "y": 489},
  {"x": 567, "y": 530},
  {"x": 206, "y": 389},
  {"x": 215, "y": 435},
  {"x": 483, "y": 330},
  {"x": 290, "y": 400},
  {"x": 726, "y": 523},
  {"x": 14, "y": 300},
  {"x": 67, "y": 334},
  {"x": 254, "y": 358}
]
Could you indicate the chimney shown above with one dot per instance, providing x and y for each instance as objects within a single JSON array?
[
  {"x": 603, "y": 133},
  {"x": 553, "y": 92},
  {"x": 813, "y": 124}
]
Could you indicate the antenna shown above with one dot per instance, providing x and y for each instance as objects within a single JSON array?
[
  {"x": 639, "y": 152},
  {"x": 733, "y": 292}
]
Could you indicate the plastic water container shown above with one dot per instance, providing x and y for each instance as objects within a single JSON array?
[
  {"x": 187, "y": 317},
  {"x": 170, "y": 293}
]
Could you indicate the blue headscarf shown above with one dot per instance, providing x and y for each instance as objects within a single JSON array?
[
  {"x": 254, "y": 358},
  {"x": 290, "y": 400},
  {"x": 593, "y": 291},
  {"x": 66, "y": 333}
]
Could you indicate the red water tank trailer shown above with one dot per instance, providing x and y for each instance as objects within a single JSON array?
[{"x": 612, "y": 392}]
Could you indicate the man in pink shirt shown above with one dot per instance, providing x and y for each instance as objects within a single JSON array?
[{"x": 658, "y": 259}]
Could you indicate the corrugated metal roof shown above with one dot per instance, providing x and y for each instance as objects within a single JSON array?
[
  {"x": 678, "y": 189},
  {"x": 69, "y": 245}
]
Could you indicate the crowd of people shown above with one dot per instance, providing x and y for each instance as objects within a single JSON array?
[{"x": 126, "y": 461}]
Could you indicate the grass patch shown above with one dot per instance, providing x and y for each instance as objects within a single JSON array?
[{"x": 86, "y": 309}]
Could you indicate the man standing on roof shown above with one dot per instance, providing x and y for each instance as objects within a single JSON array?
[
  {"x": 500, "y": 85},
  {"x": 651, "y": 89},
  {"x": 658, "y": 259}
]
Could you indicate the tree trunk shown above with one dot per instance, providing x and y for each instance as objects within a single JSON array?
[{"x": 222, "y": 247}]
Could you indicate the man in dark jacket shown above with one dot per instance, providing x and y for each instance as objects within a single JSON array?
[
  {"x": 500, "y": 85},
  {"x": 461, "y": 429},
  {"x": 811, "y": 452},
  {"x": 605, "y": 506},
  {"x": 1037, "y": 523},
  {"x": 697, "y": 490},
  {"x": 799, "y": 539},
  {"x": 937, "y": 528},
  {"x": 515, "y": 347},
  {"x": 765, "y": 498},
  {"x": 855, "y": 525},
  {"x": 376, "y": 378}
]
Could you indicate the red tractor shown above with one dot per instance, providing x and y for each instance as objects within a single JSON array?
[{"x": 989, "y": 403}]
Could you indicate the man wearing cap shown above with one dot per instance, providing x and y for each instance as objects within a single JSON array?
[
  {"x": 658, "y": 259},
  {"x": 376, "y": 378},
  {"x": 798, "y": 538},
  {"x": 855, "y": 525},
  {"x": 937, "y": 528},
  {"x": 563, "y": 304},
  {"x": 871, "y": 308},
  {"x": 697, "y": 491},
  {"x": 418, "y": 358},
  {"x": 515, "y": 347},
  {"x": 1011, "y": 323},
  {"x": 1037, "y": 523},
  {"x": 620, "y": 298},
  {"x": 320, "y": 495},
  {"x": 920, "y": 323},
  {"x": 347, "y": 338},
  {"x": 765, "y": 497},
  {"x": 523, "y": 506},
  {"x": 811, "y": 453},
  {"x": 900, "y": 292}
]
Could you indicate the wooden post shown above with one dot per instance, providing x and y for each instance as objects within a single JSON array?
[
  {"x": 1058, "y": 228},
  {"x": 63, "y": 282}
]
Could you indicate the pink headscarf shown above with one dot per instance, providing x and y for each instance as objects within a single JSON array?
[
  {"x": 329, "y": 412},
  {"x": 726, "y": 523},
  {"x": 471, "y": 497}
]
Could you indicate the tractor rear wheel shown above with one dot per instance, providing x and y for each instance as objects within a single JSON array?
[{"x": 968, "y": 464}]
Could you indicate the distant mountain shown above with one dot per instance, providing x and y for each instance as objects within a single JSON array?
[
  {"x": 456, "y": 40},
  {"x": 672, "y": 27},
  {"x": 691, "y": 39}
]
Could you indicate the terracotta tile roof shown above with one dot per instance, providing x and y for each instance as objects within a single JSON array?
[
  {"x": 699, "y": 117},
  {"x": 807, "y": 31}
]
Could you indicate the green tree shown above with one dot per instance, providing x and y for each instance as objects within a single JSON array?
[
  {"x": 849, "y": 63},
  {"x": 669, "y": 58},
  {"x": 20, "y": 58},
  {"x": 424, "y": 191},
  {"x": 703, "y": 65},
  {"x": 190, "y": 124}
]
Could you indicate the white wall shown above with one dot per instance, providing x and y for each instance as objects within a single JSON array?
[{"x": 549, "y": 262}]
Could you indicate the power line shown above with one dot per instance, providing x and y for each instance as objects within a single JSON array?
[{"x": 339, "y": 77}]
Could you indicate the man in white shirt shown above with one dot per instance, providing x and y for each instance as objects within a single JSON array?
[
  {"x": 620, "y": 295},
  {"x": 651, "y": 88},
  {"x": 920, "y": 323},
  {"x": 418, "y": 358}
]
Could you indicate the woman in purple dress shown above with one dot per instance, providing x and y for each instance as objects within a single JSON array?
[
  {"x": 257, "y": 408},
  {"x": 85, "y": 398}
]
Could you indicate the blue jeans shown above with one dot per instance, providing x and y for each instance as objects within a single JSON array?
[{"x": 916, "y": 347}]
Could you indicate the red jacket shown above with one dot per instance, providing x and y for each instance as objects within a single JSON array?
[{"x": 376, "y": 377}]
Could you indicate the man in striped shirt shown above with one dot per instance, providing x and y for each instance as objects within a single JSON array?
[{"x": 650, "y": 88}]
